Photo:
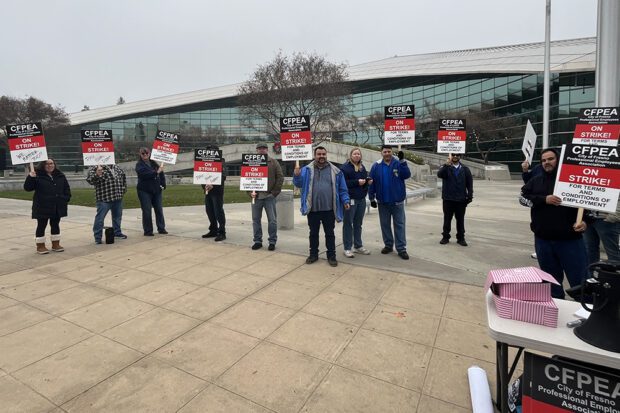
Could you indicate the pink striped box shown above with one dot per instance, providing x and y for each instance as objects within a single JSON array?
[
  {"x": 537, "y": 312},
  {"x": 525, "y": 283}
]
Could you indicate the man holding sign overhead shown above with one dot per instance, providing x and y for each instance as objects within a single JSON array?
[
  {"x": 209, "y": 171},
  {"x": 266, "y": 197},
  {"x": 110, "y": 186}
]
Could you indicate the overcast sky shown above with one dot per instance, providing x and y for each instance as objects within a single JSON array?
[{"x": 90, "y": 52}]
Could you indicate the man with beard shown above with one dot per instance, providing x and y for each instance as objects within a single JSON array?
[
  {"x": 559, "y": 246},
  {"x": 324, "y": 194}
]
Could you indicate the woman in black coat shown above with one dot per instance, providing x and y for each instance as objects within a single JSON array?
[
  {"x": 151, "y": 183},
  {"x": 49, "y": 203}
]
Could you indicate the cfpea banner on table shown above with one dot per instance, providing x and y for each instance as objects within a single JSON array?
[
  {"x": 589, "y": 177},
  {"x": 556, "y": 386},
  {"x": 254, "y": 172},
  {"x": 296, "y": 138},
  {"x": 451, "y": 136},
  {"x": 97, "y": 147},
  {"x": 208, "y": 166},
  {"x": 26, "y": 143},
  {"x": 598, "y": 126},
  {"x": 399, "y": 125},
  {"x": 165, "y": 147}
]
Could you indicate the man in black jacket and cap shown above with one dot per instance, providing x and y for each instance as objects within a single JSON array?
[{"x": 559, "y": 246}]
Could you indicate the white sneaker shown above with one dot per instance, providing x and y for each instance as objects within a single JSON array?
[
  {"x": 348, "y": 254},
  {"x": 534, "y": 256},
  {"x": 362, "y": 250}
]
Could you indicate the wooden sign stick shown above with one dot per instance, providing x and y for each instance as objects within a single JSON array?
[{"x": 579, "y": 216}]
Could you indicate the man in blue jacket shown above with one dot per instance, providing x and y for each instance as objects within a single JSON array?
[
  {"x": 324, "y": 194},
  {"x": 388, "y": 187},
  {"x": 457, "y": 191}
]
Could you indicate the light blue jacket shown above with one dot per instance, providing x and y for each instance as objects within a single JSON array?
[{"x": 339, "y": 189}]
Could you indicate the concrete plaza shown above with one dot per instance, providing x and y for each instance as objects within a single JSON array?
[{"x": 179, "y": 323}]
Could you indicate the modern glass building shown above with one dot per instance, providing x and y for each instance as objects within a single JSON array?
[{"x": 497, "y": 83}]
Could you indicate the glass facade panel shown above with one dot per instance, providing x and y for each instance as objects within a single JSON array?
[{"x": 517, "y": 96}]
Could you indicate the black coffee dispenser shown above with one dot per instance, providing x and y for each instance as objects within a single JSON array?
[{"x": 602, "y": 328}]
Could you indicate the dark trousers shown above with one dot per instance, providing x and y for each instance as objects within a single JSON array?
[
  {"x": 454, "y": 209},
  {"x": 42, "y": 224},
  {"x": 214, "y": 205},
  {"x": 150, "y": 201},
  {"x": 328, "y": 219},
  {"x": 562, "y": 257}
]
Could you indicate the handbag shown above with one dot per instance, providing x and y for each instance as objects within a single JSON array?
[{"x": 109, "y": 235}]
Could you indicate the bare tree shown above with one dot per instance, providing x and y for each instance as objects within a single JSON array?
[
  {"x": 54, "y": 119},
  {"x": 302, "y": 84},
  {"x": 31, "y": 109},
  {"x": 487, "y": 131},
  {"x": 375, "y": 125}
]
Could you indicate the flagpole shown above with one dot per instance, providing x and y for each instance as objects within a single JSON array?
[{"x": 547, "y": 74}]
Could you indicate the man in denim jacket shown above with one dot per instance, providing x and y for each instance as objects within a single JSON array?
[{"x": 324, "y": 194}]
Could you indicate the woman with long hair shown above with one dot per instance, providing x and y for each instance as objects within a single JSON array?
[
  {"x": 49, "y": 202},
  {"x": 151, "y": 183},
  {"x": 356, "y": 176}
]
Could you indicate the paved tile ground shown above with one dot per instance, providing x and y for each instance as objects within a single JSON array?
[{"x": 177, "y": 323}]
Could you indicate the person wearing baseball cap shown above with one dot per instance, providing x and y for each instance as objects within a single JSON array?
[{"x": 267, "y": 200}]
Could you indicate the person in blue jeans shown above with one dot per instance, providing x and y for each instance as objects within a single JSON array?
[
  {"x": 324, "y": 195},
  {"x": 151, "y": 183},
  {"x": 267, "y": 200},
  {"x": 388, "y": 176},
  {"x": 356, "y": 177},
  {"x": 604, "y": 228},
  {"x": 557, "y": 236},
  {"x": 110, "y": 186}
]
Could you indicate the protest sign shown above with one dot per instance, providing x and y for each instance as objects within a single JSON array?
[
  {"x": 165, "y": 147},
  {"x": 597, "y": 126},
  {"x": 296, "y": 138},
  {"x": 97, "y": 147},
  {"x": 529, "y": 142},
  {"x": 556, "y": 386},
  {"x": 208, "y": 166},
  {"x": 589, "y": 177},
  {"x": 254, "y": 172},
  {"x": 26, "y": 143},
  {"x": 399, "y": 125},
  {"x": 451, "y": 136}
]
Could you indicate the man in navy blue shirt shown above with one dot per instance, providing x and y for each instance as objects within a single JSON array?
[{"x": 388, "y": 191}]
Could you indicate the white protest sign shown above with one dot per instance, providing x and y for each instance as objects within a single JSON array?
[
  {"x": 589, "y": 177},
  {"x": 529, "y": 142}
]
